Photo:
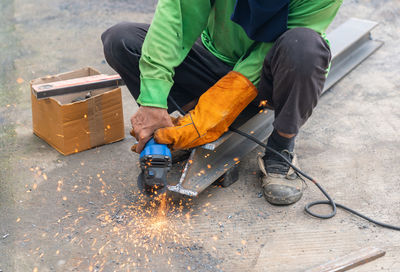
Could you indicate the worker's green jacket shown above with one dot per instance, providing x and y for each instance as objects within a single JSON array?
[{"x": 178, "y": 23}]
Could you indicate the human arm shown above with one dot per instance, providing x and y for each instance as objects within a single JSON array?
[{"x": 175, "y": 27}]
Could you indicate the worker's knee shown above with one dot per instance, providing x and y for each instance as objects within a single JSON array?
[
  {"x": 303, "y": 52},
  {"x": 118, "y": 39}
]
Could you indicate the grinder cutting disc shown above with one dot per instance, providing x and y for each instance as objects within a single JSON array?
[{"x": 147, "y": 190}]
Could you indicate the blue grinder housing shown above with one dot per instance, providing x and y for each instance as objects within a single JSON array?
[
  {"x": 155, "y": 162},
  {"x": 153, "y": 148}
]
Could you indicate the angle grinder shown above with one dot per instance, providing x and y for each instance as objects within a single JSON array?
[{"x": 155, "y": 163}]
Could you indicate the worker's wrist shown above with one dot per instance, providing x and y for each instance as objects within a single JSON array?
[
  {"x": 151, "y": 104},
  {"x": 154, "y": 92}
]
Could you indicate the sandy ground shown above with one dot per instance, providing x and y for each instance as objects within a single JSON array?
[{"x": 83, "y": 213}]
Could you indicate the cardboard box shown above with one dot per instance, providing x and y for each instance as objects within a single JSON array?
[{"x": 72, "y": 123}]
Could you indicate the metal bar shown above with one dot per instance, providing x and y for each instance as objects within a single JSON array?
[
  {"x": 350, "y": 261},
  {"x": 351, "y": 43},
  {"x": 178, "y": 188},
  {"x": 76, "y": 85},
  {"x": 206, "y": 166}
]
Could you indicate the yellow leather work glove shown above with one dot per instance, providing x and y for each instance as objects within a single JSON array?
[{"x": 216, "y": 110}]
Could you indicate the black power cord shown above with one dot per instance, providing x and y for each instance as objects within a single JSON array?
[
  {"x": 315, "y": 203},
  {"x": 307, "y": 208}
]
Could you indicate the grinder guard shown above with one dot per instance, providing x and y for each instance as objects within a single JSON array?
[{"x": 155, "y": 163}]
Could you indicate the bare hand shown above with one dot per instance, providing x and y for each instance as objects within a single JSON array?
[{"x": 145, "y": 121}]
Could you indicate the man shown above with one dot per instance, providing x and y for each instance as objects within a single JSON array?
[{"x": 221, "y": 55}]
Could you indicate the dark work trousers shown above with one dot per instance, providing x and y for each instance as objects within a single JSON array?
[{"x": 292, "y": 77}]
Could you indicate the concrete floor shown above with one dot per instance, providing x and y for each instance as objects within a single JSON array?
[{"x": 82, "y": 212}]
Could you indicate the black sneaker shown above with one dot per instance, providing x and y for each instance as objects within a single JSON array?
[{"x": 281, "y": 184}]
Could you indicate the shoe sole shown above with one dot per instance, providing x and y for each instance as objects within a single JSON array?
[{"x": 283, "y": 201}]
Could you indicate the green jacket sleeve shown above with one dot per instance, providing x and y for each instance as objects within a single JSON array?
[
  {"x": 313, "y": 14},
  {"x": 175, "y": 27}
]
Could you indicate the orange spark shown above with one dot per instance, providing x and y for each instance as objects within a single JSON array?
[
  {"x": 263, "y": 103},
  {"x": 60, "y": 183}
]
